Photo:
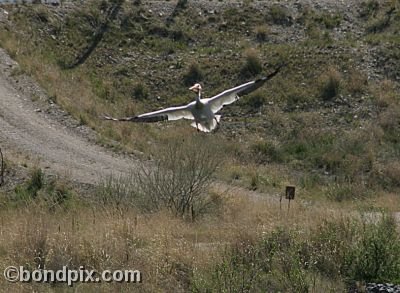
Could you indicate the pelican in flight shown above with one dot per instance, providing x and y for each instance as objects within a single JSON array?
[{"x": 202, "y": 111}]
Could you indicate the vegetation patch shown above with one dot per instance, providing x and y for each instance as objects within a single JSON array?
[{"x": 329, "y": 256}]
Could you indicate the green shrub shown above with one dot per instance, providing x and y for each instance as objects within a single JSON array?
[
  {"x": 330, "y": 84},
  {"x": 375, "y": 257},
  {"x": 193, "y": 75},
  {"x": 335, "y": 253},
  {"x": 347, "y": 191},
  {"x": 254, "y": 101},
  {"x": 262, "y": 33},
  {"x": 357, "y": 83},
  {"x": 182, "y": 4},
  {"x": 266, "y": 152},
  {"x": 330, "y": 21},
  {"x": 140, "y": 91},
  {"x": 50, "y": 194},
  {"x": 252, "y": 65},
  {"x": 58, "y": 194},
  {"x": 378, "y": 24},
  {"x": 279, "y": 15},
  {"x": 271, "y": 264},
  {"x": 35, "y": 183},
  {"x": 369, "y": 8}
]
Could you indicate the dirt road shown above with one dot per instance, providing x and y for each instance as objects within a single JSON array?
[{"x": 58, "y": 148}]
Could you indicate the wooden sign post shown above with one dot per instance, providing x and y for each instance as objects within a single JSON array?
[{"x": 290, "y": 193}]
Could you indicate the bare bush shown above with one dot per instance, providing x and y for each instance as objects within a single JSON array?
[{"x": 177, "y": 179}]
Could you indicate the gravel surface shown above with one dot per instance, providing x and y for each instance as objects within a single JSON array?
[{"x": 45, "y": 132}]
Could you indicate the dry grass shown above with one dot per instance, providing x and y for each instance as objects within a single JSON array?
[
  {"x": 385, "y": 93},
  {"x": 164, "y": 248},
  {"x": 356, "y": 83}
]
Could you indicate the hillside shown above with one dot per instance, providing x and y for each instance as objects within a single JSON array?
[
  {"x": 338, "y": 88},
  {"x": 328, "y": 123}
]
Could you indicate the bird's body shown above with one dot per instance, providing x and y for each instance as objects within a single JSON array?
[{"x": 202, "y": 111}]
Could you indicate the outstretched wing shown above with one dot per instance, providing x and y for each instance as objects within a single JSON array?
[
  {"x": 229, "y": 96},
  {"x": 172, "y": 113}
]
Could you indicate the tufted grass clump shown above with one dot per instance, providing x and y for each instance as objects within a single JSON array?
[
  {"x": 261, "y": 33},
  {"x": 194, "y": 74},
  {"x": 279, "y": 15},
  {"x": 140, "y": 91},
  {"x": 329, "y": 84},
  {"x": 252, "y": 65}
]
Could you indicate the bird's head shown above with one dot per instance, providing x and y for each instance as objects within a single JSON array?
[{"x": 196, "y": 88}]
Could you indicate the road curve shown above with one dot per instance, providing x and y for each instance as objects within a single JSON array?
[{"x": 57, "y": 148}]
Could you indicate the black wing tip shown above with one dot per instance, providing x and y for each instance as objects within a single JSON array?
[
  {"x": 151, "y": 119},
  {"x": 137, "y": 118},
  {"x": 110, "y": 118},
  {"x": 271, "y": 75}
]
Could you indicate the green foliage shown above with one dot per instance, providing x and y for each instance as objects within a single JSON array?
[
  {"x": 265, "y": 152},
  {"x": 252, "y": 65},
  {"x": 279, "y": 15},
  {"x": 346, "y": 191},
  {"x": 271, "y": 264},
  {"x": 285, "y": 261},
  {"x": 140, "y": 91},
  {"x": 58, "y": 194},
  {"x": 369, "y": 8},
  {"x": 182, "y": 4},
  {"x": 35, "y": 183},
  {"x": 375, "y": 257},
  {"x": 330, "y": 84},
  {"x": 254, "y": 101},
  {"x": 378, "y": 24},
  {"x": 193, "y": 75},
  {"x": 330, "y": 21},
  {"x": 357, "y": 83},
  {"x": 262, "y": 33},
  {"x": 37, "y": 190}
]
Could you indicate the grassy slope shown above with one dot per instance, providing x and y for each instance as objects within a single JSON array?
[
  {"x": 321, "y": 112},
  {"x": 343, "y": 145}
]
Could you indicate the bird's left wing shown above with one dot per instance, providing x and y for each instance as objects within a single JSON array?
[
  {"x": 229, "y": 96},
  {"x": 172, "y": 113}
]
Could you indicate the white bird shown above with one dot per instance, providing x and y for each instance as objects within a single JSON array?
[{"x": 202, "y": 111}]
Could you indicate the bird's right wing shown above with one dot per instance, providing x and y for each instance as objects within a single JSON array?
[{"x": 172, "y": 113}]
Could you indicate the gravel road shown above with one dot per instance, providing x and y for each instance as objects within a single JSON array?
[{"x": 58, "y": 148}]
